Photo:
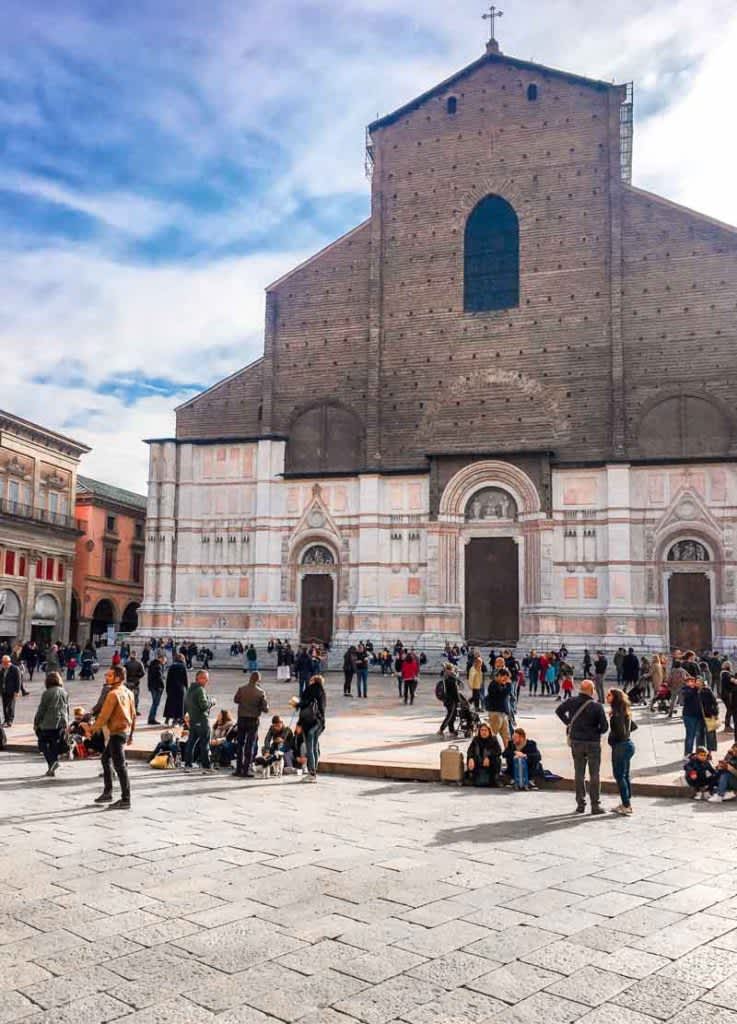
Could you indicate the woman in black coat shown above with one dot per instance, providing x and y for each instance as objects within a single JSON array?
[
  {"x": 484, "y": 758},
  {"x": 177, "y": 682}
]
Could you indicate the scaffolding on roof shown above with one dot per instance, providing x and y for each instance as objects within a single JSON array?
[{"x": 625, "y": 133}]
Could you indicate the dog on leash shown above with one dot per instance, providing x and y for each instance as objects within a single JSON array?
[{"x": 273, "y": 768}]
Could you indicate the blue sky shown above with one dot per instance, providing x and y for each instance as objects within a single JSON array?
[{"x": 161, "y": 161}]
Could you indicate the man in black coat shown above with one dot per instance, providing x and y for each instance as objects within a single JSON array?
[
  {"x": 586, "y": 722},
  {"x": 630, "y": 668},
  {"x": 10, "y": 683}
]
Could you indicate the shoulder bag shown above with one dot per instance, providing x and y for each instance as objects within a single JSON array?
[{"x": 570, "y": 724}]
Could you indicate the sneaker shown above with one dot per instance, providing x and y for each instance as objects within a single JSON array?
[
  {"x": 621, "y": 810},
  {"x": 311, "y": 777},
  {"x": 598, "y": 810},
  {"x": 208, "y": 771},
  {"x": 729, "y": 795},
  {"x": 715, "y": 798},
  {"x": 188, "y": 768},
  {"x": 120, "y": 805},
  {"x": 104, "y": 798},
  {"x": 627, "y": 811},
  {"x": 54, "y": 769},
  {"x": 530, "y": 787}
]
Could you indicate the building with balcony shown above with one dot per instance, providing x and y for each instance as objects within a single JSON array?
[
  {"x": 108, "y": 571},
  {"x": 38, "y": 531}
]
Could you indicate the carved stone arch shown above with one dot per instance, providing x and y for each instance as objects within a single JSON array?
[
  {"x": 700, "y": 531},
  {"x": 301, "y": 544},
  {"x": 325, "y": 436},
  {"x": 489, "y": 472},
  {"x": 684, "y": 421}
]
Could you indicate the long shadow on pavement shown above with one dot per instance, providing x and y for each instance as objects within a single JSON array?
[{"x": 511, "y": 831}]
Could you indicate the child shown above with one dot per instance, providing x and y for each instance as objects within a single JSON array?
[
  {"x": 699, "y": 773},
  {"x": 523, "y": 760},
  {"x": 167, "y": 745},
  {"x": 566, "y": 684},
  {"x": 726, "y": 782}
]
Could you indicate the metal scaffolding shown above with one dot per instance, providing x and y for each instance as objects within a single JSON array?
[{"x": 625, "y": 133}]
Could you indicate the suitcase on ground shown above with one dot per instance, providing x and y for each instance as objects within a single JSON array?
[{"x": 451, "y": 765}]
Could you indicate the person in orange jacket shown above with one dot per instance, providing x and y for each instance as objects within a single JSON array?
[{"x": 118, "y": 716}]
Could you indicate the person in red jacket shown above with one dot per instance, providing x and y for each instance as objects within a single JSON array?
[{"x": 410, "y": 673}]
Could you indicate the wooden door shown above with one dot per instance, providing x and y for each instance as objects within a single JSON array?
[
  {"x": 689, "y": 608},
  {"x": 492, "y": 591},
  {"x": 316, "y": 622}
]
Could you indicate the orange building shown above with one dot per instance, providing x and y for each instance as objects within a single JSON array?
[{"x": 108, "y": 569}]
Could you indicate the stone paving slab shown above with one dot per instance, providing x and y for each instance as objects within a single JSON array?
[{"x": 352, "y": 903}]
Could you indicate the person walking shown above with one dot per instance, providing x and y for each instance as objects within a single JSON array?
[
  {"x": 312, "y": 708},
  {"x": 410, "y": 676},
  {"x": 728, "y": 693},
  {"x": 197, "y": 705},
  {"x": 585, "y": 723},
  {"x": 251, "y": 658},
  {"x": 600, "y": 667},
  {"x": 700, "y": 716},
  {"x": 252, "y": 703},
  {"x": 476, "y": 680},
  {"x": 177, "y": 682},
  {"x": 155, "y": 680},
  {"x": 134, "y": 674},
  {"x": 621, "y": 727},
  {"x": 362, "y": 667},
  {"x": 10, "y": 684},
  {"x": 450, "y": 684},
  {"x": 118, "y": 717},
  {"x": 498, "y": 697},
  {"x": 51, "y": 721},
  {"x": 618, "y": 662},
  {"x": 349, "y": 668},
  {"x": 630, "y": 669}
]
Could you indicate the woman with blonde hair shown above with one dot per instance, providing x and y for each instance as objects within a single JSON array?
[{"x": 621, "y": 727}]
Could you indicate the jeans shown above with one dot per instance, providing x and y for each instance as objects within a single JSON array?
[
  {"x": 136, "y": 691},
  {"x": 312, "y": 743},
  {"x": 587, "y": 753},
  {"x": 362, "y": 681},
  {"x": 599, "y": 683},
  {"x": 252, "y": 665},
  {"x": 533, "y": 683},
  {"x": 115, "y": 752},
  {"x": 521, "y": 772},
  {"x": 48, "y": 743},
  {"x": 622, "y": 754},
  {"x": 726, "y": 781},
  {"x": 695, "y": 733},
  {"x": 246, "y": 744},
  {"x": 410, "y": 688},
  {"x": 155, "y": 701},
  {"x": 199, "y": 734}
]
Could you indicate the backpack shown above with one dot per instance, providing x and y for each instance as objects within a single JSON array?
[{"x": 440, "y": 689}]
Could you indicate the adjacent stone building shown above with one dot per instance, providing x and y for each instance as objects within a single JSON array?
[
  {"x": 38, "y": 531},
  {"x": 108, "y": 570},
  {"x": 501, "y": 408}
]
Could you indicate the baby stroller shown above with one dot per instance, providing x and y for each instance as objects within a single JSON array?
[
  {"x": 636, "y": 693},
  {"x": 468, "y": 717},
  {"x": 661, "y": 700}
]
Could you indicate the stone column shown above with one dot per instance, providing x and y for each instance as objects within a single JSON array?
[
  {"x": 66, "y": 611},
  {"x": 26, "y": 612}
]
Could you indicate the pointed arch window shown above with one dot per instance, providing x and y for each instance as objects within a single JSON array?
[{"x": 491, "y": 257}]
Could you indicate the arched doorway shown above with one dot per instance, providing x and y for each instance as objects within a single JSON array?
[
  {"x": 317, "y": 600},
  {"x": 46, "y": 620},
  {"x": 491, "y": 613},
  {"x": 102, "y": 617},
  {"x": 9, "y": 616},
  {"x": 129, "y": 622},
  {"x": 689, "y": 596}
]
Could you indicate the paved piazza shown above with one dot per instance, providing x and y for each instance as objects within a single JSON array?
[{"x": 215, "y": 900}]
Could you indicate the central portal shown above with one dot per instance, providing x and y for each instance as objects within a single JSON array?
[
  {"x": 316, "y": 620},
  {"x": 689, "y": 608},
  {"x": 492, "y": 591}
]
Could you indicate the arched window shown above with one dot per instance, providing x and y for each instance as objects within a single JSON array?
[
  {"x": 325, "y": 438},
  {"x": 688, "y": 551},
  {"x": 532, "y": 93},
  {"x": 452, "y": 105},
  {"x": 318, "y": 554},
  {"x": 491, "y": 257}
]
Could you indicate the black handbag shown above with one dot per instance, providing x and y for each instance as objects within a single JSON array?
[{"x": 308, "y": 717}]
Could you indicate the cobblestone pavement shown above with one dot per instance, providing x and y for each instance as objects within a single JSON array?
[
  {"x": 253, "y": 903},
  {"x": 381, "y": 729}
]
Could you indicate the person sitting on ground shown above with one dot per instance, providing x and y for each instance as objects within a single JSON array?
[
  {"x": 523, "y": 760},
  {"x": 484, "y": 758},
  {"x": 699, "y": 773},
  {"x": 222, "y": 742},
  {"x": 168, "y": 746},
  {"x": 726, "y": 780},
  {"x": 278, "y": 740}
]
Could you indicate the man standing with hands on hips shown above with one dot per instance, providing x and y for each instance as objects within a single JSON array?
[{"x": 586, "y": 723}]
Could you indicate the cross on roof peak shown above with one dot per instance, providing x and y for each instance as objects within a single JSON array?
[{"x": 492, "y": 14}]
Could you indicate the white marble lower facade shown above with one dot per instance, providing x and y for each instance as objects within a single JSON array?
[{"x": 231, "y": 542}]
